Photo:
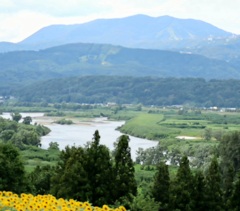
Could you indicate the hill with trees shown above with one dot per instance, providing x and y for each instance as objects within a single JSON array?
[
  {"x": 134, "y": 90},
  {"x": 24, "y": 67}
]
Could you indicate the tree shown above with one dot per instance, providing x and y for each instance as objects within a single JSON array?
[
  {"x": 70, "y": 178},
  {"x": 228, "y": 180},
  {"x": 16, "y": 117},
  {"x": 234, "y": 199},
  {"x": 213, "y": 183},
  {"x": 144, "y": 203},
  {"x": 229, "y": 150},
  {"x": 27, "y": 120},
  {"x": 40, "y": 179},
  {"x": 161, "y": 184},
  {"x": 207, "y": 134},
  {"x": 12, "y": 174},
  {"x": 53, "y": 146},
  {"x": 198, "y": 196},
  {"x": 6, "y": 135},
  {"x": 26, "y": 137},
  {"x": 182, "y": 187},
  {"x": 125, "y": 183},
  {"x": 100, "y": 172}
]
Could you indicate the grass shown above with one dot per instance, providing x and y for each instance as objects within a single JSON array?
[
  {"x": 168, "y": 123},
  {"x": 34, "y": 156},
  {"x": 145, "y": 125}
]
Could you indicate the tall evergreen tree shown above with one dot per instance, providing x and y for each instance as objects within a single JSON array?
[
  {"x": 228, "y": 179},
  {"x": 198, "y": 196},
  {"x": 160, "y": 189},
  {"x": 70, "y": 179},
  {"x": 100, "y": 172},
  {"x": 234, "y": 199},
  {"x": 214, "y": 193},
  {"x": 229, "y": 149},
  {"x": 125, "y": 183},
  {"x": 182, "y": 187}
]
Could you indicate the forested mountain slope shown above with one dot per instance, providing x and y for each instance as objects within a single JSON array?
[
  {"x": 145, "y": 90},
  {"x": 21, "y": 67}
]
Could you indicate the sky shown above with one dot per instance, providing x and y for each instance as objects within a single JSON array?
[{"x": 21, "y": 18}]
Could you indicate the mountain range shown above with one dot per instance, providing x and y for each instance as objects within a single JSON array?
[
  {"x": 153, "y": 46},
  {"x": 138, "y": 31}
]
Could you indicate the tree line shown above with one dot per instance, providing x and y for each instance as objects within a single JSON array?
[
  {"x": 21, "y": 135},
  {"x": 133, "y": 90}
]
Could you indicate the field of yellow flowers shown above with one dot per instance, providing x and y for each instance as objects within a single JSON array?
[{"x": 27, "y": 202}]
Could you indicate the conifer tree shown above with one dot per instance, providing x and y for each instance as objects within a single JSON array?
[
  {"x": 234, "y": 199},
  {"x": 160, "y": 189},
  {"x": 228, "y": 179},
  {"x": 100, "y": 172},
  {"x": 70, "y": 179},
  {"x": 229, "y": 149},
  {"x": 182, "y": 187},
  {"x": 198, "y": 196},
  {"x": 125, "y": 183},
  {"x": 214, "y": 193}
]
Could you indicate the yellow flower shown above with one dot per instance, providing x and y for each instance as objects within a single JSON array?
[
  {"x": 88, "y": 208},
  {"x": 122, "y": 208},
  {"x": 105, "y": 208},
  {"x": 86, "y": 204}
]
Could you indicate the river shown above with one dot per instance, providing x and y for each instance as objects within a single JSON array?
[{"x": 80, "y": 133}]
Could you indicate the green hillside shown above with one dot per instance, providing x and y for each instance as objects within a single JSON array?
[
  {"x": 145, "y": 90},
  {"x": 24, "y": 67}
]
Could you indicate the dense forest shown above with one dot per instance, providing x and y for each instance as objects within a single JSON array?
[
  {"x": 94, "y": 173},
  {"x": 134, "y": 90}
]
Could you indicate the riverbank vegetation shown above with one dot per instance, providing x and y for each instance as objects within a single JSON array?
[
  {"x": 196, "y": 148},
  {"x": 133, "y": 90}
]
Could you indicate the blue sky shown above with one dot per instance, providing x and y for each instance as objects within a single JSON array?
[{"x": 21, "y": 18}]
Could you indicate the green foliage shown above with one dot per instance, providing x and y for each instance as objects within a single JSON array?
[
  {"x": 12, "y": 174},
  {"x": 21, "y": 135},
  {"x": 27, "y": 120},
  {"x": 144, "y": 203},
  {"x": 199, "y": 194},
  {"x": 40, "y": 179},
  {"x": 16, "y": 117},
  {"x": 88, "y": 173},
  {"x": 234, "y": 199},
  {"x": 181, "y": 188},
  {"x": 213, "y": 182},
  {"x": 70, "y": 178},
  {"x": 161, "y": 185},
  {"x": 100, "y": 172},
  {"x": 229, "y": 149},
  {"x": 64, "y": 122},
  {"x": 53, "y": 146},
  {"x": 125, "y": 186},
  {"x": 134, "y": 90},
  {"x": 207, "y": 134}
]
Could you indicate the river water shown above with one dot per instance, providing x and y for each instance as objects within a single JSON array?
[{"x": 82, "y": 132}]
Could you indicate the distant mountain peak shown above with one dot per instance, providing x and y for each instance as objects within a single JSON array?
[{"x": 141, "y": 31}]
